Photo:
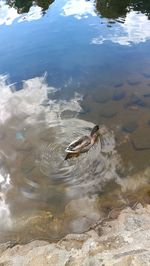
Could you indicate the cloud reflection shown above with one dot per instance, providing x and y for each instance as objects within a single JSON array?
[
  {"x": 34, "y": 13},
  {"x": 79, "y": 9},
  {"x": 134, "y": 30},
  {"x": 32, "y": 101},
  {"x": 9, "y": 14}
]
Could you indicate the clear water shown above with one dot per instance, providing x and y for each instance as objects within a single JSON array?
[{"x": 65, "y": 66}]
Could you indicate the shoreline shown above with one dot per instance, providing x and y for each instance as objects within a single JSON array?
[{"x": 124, "y": 240}]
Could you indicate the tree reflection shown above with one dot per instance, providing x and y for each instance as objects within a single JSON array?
[
  {"x": 114, "y": 9},
  {"x": 24, "y": 6}
]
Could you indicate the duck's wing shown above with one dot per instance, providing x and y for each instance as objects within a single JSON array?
[{"x": 78, "y": 145}]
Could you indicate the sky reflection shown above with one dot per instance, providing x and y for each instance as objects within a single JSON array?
[
  {"x": 134, "y": 30},
  {"x": 9, "y": 14}
]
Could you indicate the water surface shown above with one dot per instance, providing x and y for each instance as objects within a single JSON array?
[{"x": 65, "y": 66}]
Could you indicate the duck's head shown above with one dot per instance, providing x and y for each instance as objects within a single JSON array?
[{"x": 95, "y": 132}]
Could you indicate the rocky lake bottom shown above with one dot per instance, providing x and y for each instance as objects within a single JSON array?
[{"x": 45, "y": 197}]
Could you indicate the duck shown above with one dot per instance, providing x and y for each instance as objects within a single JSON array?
[{"x": 82, "y": 144}]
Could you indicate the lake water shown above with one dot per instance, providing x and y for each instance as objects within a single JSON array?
[{"x": 64, "y": 67}]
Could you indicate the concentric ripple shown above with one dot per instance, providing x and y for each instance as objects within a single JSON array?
[{"x": 90, "y": 169}]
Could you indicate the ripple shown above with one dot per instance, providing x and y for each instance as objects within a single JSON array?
[{"x": 87, "y": 171}]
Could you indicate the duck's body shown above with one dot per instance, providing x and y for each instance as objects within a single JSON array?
[{"x": 82, "y": 144}]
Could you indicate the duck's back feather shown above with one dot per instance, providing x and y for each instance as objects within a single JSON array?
[{"x": 79, "y": 145}]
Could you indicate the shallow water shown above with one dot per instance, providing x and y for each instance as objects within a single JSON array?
[{"x": 64, "y": 67}]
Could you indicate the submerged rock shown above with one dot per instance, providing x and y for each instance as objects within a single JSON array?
[
  {"x": 102, "y": 96},
  {"x": 136, "y": 101},
  {"x": 119, "y": 95},
  {"x": 146, "y": 95},
  {"x": 141, "y": 140},
  {"x": 146, "y": 75},
  {"x": 109, "y": 113},
  {"x": 130, "y": 126},
  {"x": 133, "y": 82},
  {"x": 118, "y": 85}
]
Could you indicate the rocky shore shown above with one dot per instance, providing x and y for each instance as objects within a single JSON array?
[{"x": 123, "y": 241}]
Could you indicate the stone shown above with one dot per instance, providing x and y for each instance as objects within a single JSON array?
[
  {"x": 118, "y": 85},
  {"x": 141, "y": 139},
  {"x": 130, "y": 126},
  {"x": 146, "y": 95},
  {"x": 85, "y": 107},
  {"x": 133, "y": 82},
  {"x": 108, "y": 113},
  {"x": 123, "y": 241},
  {"x": 136, "y": 101},
  {"x": 119, "y": 95},
  {"x": 102, "y": 96},
  {"x": 146, "y": 75}
]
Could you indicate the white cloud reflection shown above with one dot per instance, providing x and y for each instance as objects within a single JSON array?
[
  {"x": 9, "y": 14},
  {"x": 34, "y": 13},
  {"x": 79, "y": 9},
  {"x": 136, "y": 29},
  {"x": 32, "y": 101}
]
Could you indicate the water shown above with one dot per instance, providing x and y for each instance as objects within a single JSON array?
[{"x": 65, "y": 66}]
